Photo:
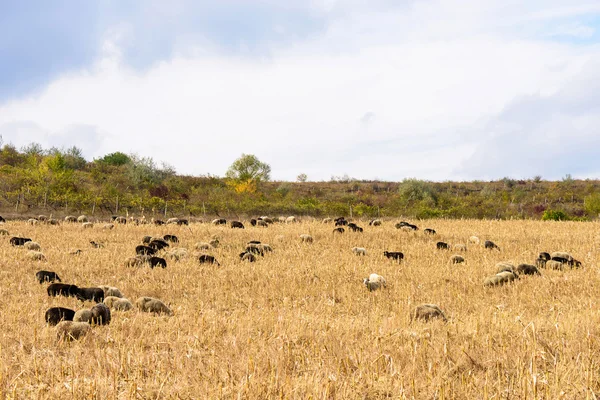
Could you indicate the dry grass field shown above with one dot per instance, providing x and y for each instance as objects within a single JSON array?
[{"x": 299, "y": 323}]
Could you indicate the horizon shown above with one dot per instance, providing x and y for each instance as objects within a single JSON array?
[{"x": 441, "y": 90}]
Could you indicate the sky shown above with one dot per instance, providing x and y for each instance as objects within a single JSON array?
[{"x": 429, "y": 89}]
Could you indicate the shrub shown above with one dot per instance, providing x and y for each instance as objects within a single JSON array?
[{"x": 554, "y": 215}]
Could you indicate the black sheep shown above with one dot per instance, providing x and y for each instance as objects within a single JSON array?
[
  {"x": 159, "y": 222},
  {"x": 245, "y": 256},
  {"x": 171, "y": 238},
  {"x": 253, "y": 248},
  {"x": 183, "y": 222},
  {"x": 90, "y": 294},
  {"x": 442, "y": 246},
  {"x": 237, "y": 224},
  {"x": 144, "y": 250},
  {"x": 490, "y": 245},
  {"x": 429, "y": 231},
  {"x": 47, "y": 276},
  {"x": 341, "y": 222},
  {"x": 395, "y": 255},
  {"x": 158, "y": 244},
  {"x": 56, "y": 314},
  {"x": 19, "y": 241},
  {"x": 253, "y": 222},
  {"x": 62, "y": 289},
  {"x": 100, "y": 314},
  {"x": 339, "y": 230},
  {"x": 157, "y": 262},
  {"x": 146, "y": 239},
  {"x": 544, "y": 255},
  {"x": 527, "y": 269},
  {"x": 206, "y": 259}
]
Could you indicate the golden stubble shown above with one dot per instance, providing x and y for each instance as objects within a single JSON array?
[{"x": 299, "y": 323}]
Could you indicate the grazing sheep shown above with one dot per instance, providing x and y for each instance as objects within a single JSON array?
[
  {"x": 82, "y": 219},
  {"x": 268, "y": 220},
  {"x": 18, "y": 241},
  {"x": 4, "y": 232},
  {"x": 87, "y": 225},
  {"x": 246, "y": 256},
  {"x": 144, "y": 250},
  {"x": 158, "y": 244},
  {"x": 374, "y": 282},
  {"x": 177, "y": 254},
  {"x": 442, "y": 246},
  {"x": 359, "y": 251},
  {"x": 91, "y": 294},
  {"x": 120, "y": 220},
  {"x": 427, "y": 312},
  {"x": 100, "y": 314},
  {"x": 152, "y": 305},
  {"x": 544, "y": 256},
  {"x": 527, "y": 269},
  {"x": 281, "y": 219},
  {"x": 207, "y": 259},
  {"x": 219, "y": 221},
  {"x": 262, "y": 223},
  {"x": 172, "y": 221},
  {"x": 326, "y": 220},
  {"x": 96, "y": 244},
  {"x": 70, "y": 218},
  {"x": 306, "y": 238},
  {"x": 33, "y": 246},
  {"x": 394, "y": 255},
  {"x": 36, "y": 255},
  {"x": 157, "y": 262},
  {"x": 339, "y": 230},
  {"x": 504, "y": 266},
  {"x": 110, "y": 291},
  {"x": 171, "y": 238},
  {"x": 460, "y": 247},
  {"x": 32, "y": 221},
  {"x": 108, "y": 226},
  {"x": 137, "y": 261},
  {"x": 237, "y": 224},
  {"x": 62, "y": 289},
  {"x": 253, "y": 222},
  {"x": 202, "y": 246},
  {"x": 69, "y": 330},
  {"x": 83, "y": 315},
  {"x": 341, "y": 222},
  {"x": 500, "y": 279},
  {"x": 375, "y": 222},
  {"x": 158, "y": 222},
  {"x": 541, "y": 262},
  {"x": 42, "y": 218},
  {"x": 47, "y": 276},
  {"x": 214, "y": 243},
  {"x": 56, "y": 314},
  {"x": 565, "y": 258},
  {"x": 355, "y": 228},
  {"x": 429, "y": 231},
  {"x": 183, "y": 222},
  {"x": 123, "y": 305},
  {"x": 457, "y": 259},
  {"x": 553, "y": 264},
  {"x": 53, "y": 221},
  {"x": 474, "y": 240},
  {"x": 147, "y": 239},
  {"x": 290, "y": 219},
  {"x": 255, "y": 249},
  {"x": 109, "y": 301},
  {"x": 488, "y": 244}
]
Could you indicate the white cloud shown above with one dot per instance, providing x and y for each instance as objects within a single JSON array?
[{"x": 430, "y": 90}]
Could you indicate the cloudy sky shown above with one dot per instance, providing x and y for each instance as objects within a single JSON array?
[{"x": 375, "y": 89}]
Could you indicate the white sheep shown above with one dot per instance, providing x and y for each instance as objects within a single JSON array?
[
  {"x": 33, "y": 246},
  {"x": 327, "y": 220},
  {"x": 108, "y": 226},
  {"x": 172, "y": 221},
  {"x": 359, "y": 251},
  {"x": 202, "y": 246},
  {"x": 111, "y": 291},
  {"x": 32, "y": 221},
  {"x": 36, "y": 255},
  {"x": 87, "y": 225},
  {"x": 306, "y": 238},
  {"x": 374, "y": 282},
  {"x": 474, "y": 240},
  {"x": 460, "y": 247},
  {"x": 290, "y": 219},
  {"x": 69, "y": 330},
  {"x": 83, "y": 315},
  {"x": 82, "y": 219}
]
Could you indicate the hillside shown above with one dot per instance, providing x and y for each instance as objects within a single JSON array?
[{"x": 60, "y": 182}]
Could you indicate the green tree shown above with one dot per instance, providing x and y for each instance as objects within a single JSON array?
[
  {"x": 591, "y": 204},
  {"x": 248, "y": 168},
  {"x": 116, "y": 159},
  {"x": 302, "y": 177}
]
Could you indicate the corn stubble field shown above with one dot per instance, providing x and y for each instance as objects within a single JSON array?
[{"x": 299, "y": 323}]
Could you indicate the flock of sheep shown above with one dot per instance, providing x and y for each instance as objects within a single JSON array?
[{"x": 155, "y": 251}]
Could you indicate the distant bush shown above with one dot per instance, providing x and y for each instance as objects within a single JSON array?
[{"x": 554, "y": 215}]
